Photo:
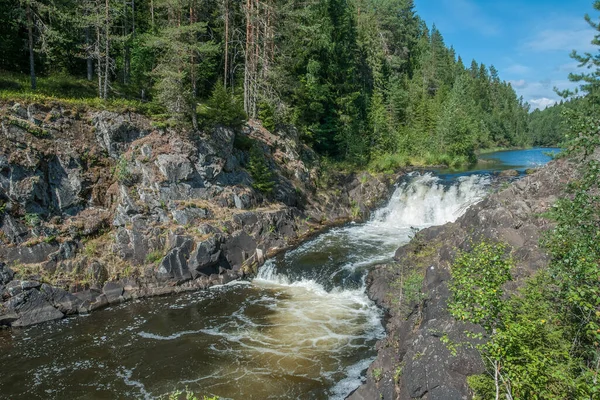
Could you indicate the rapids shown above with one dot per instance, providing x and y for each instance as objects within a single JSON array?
[{"x": 303, "y": 328}]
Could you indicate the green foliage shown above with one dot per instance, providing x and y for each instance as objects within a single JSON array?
[
  {"x": 529, "y": 349},
  {"x": 260, "y": 171},
  {"x": 362, "y": 80},
  {"x": 155, "y": 256},
  {"x": 412, "y": 288},
  {"x": 355, "y": 209},
  {"x": 223, "y": 108},
  {"x": 377, "y": 374},
  {"x": 476, "y": 285},
  {"x": 123, "y": 172},
  {"x": 545, "y": 341},
  {"x": 243, "y": 142},
  {"x": 266, "y": 114},
  {"x": 50, "y": 239},
  {"x": 32, "y": 220}
]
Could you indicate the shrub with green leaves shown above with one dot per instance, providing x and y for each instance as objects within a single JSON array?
[
  {"x": 260, "y": 171},
  {"x": 32, "y": 219},
  {"x": 476, "y": 285},
  {"x": 546, "y": 339},
  {"x": 123, "y": 172}
]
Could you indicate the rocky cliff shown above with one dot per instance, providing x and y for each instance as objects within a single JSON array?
[
  {"x": 419, "y": 358},
  {"x": 97, "y": 207}
]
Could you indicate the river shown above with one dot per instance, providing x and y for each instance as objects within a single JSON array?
[{"x": 303, "y": 328}]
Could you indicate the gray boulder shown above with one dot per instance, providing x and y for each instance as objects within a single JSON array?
[
  {"x": 206, "y": 256},
  {"x": 32, "y": 308},
  {"x": 189, "y": 215},
  {"x": 175, "y": 265},
  {"x": 6, "y": 274},
  {"x": 29, "y": 255},
  {"x": 13, "y": 230},
  {"x": 114, "y": 132},
  {"x": 174, "y": 167},
  {"x": 238, "y": 248},
  {"x": 113, "y": 292},
  {"x": 64, "y": 301},
  {"x": 509, "y": 173}
]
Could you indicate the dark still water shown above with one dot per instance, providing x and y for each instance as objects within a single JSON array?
[{"x": 302, "y": 329}]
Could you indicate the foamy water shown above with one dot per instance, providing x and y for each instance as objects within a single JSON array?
[{"x": 303, "y": 328}]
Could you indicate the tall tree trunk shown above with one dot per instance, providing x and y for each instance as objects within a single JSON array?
[
  {"x": 98, "y": 55},
  {"x": 31, "y": 56},
  {"x": 90, "y": 61},
  {"x": 194, "y": 119},
  {"x": 248, "y": 56},
  {"x": 226, "y": 70},
  {"x": 106, "y": 49},
  {"x": 152, "y": 14},
  {"x": 126, "y": 49},
  {"x": 193, "y": 59},
  {"x": 255, "y": 64},
  {"x": 133, "y": 18}
]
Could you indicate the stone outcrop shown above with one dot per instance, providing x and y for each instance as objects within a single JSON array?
[
  {"x": 413, "y": 361},
  {"x": 101, "y": 207}
]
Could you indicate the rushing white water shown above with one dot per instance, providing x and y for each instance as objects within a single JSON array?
[
  {"x": 304, "y": 328},
  {"x": 327, "y": 306}
]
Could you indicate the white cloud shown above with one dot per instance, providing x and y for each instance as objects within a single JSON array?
[
  {"x": 572, "y": 35},
  {"x": 542, "y": 103},
  {"x": 541, "y": 94},
  {"x": 520, "y": 84}
]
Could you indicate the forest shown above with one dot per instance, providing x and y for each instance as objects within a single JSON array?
[{"x": 364, "y": 81}]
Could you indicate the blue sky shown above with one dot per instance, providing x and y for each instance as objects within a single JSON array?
[{"x": 528, "y": 41}]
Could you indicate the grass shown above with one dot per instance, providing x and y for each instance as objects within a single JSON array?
[
  {"x": 389, "y": 163},
  {"x": 69, "y": 91},
  {"x": 155, "y": 256},
  {"x": 497, "y": 149}
]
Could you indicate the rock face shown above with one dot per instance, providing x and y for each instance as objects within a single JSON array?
[
  {"x": 102, "y": 207},
  {"x": 413, "y": 362}
]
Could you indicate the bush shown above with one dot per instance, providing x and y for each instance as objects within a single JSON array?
[
  {"x": 476, "y": 285},
  {"x": 389, "y": 163},
  {"x": 242, "y": 142},
  {"x": 123, "y": 172},
  {"x": 32, "y": 219},
  {"x": 222, "y": 108},
  {"x": 155, "y": 256},
  {"x": 259, "y": 170},
  {"x": 266, "y": 115}
]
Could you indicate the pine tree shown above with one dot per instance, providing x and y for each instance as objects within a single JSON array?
[
  {"x": 589, "y": 83},
  {"x": 178, "y": 46},
  {"x": 260, "y": 171}
]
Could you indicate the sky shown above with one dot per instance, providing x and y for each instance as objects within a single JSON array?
[{"x": 528, "y": 41}]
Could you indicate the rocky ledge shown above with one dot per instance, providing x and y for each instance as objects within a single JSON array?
[
  {"x": 97, "y": 208},
  {"x": 413, "y": 361}
]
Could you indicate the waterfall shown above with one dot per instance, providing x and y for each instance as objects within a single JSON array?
[
  {"x": 323, "y": 280},
  {"x": 419, "y": 201},
  {"x": 303, "y": 328},
  {"x": 424, "y": 200}
]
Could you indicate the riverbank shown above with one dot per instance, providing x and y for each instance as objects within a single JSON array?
[
  {"x": 99, "y": 208},
  {"x": 426, "y": 353}
]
